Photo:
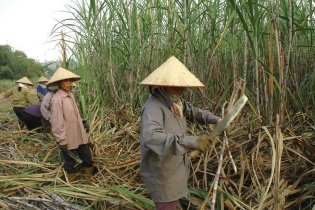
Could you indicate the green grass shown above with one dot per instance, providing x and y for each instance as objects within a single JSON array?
[{"x": 6, "y": 84}]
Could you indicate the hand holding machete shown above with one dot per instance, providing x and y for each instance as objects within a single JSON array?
[{"x": 224, "y": 123}]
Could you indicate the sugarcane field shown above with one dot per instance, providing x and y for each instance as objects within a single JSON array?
[{"x": 177, "y": 105}]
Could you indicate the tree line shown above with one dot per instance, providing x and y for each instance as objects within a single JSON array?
[{"x": 14, "y": 64}]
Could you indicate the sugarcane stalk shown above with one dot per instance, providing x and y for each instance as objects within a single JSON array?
[
  {"x": 229, "y": 153},
  {"x": 217, "y": 175},
  {"x": 63, "y": 49}
]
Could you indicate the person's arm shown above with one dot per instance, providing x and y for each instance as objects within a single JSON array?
[
  {"x": 40, "y": 96},
  {"x": 57, "y": 121},
  {"x": 45, "y": 107},
  {"x": 40, "y": 90},
  {"x": 8, "y": 93},
  {"x": 158, "y": 140},
  {"x": 29, "y": 97},
  {"x": 198, "y": 115}
]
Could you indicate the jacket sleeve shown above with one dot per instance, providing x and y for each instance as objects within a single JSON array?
[
  {"x": 199, "y": 116},
  {"x": 8, "y": 93},
  {"x": 39, "y": 89},
  {"x": 57, "y": 121},
  {"x": 155, "y": 138},
  {"x": 29, "y": 97},
  {"x": 45, "y": 107}
]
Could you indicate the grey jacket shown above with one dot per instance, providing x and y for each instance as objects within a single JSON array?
[{"x": 164, "y": 144}]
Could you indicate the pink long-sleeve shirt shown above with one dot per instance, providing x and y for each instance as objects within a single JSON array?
[{"x": 66, "y": 122}]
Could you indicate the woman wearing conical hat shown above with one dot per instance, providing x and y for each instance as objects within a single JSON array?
[
  {"x": 21, "y": 97},
  {"x": 67, "y": 126},
  {"x": 163, "y": 138},
  {"x": 41, "y": 88}
]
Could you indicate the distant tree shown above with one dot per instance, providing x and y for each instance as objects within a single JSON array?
[
  {"x": 5, "y": 55},
  {"x": 6, "y": 72},
  {"x": 15, "y": 64}
]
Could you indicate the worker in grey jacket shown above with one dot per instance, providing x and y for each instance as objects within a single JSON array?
[{"x": 163, "y": 138}]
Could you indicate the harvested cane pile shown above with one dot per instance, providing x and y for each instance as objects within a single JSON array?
[{"x": 274, "y": 167}]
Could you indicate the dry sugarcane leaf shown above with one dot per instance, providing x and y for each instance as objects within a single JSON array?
[{"x": 229, "y": 205}]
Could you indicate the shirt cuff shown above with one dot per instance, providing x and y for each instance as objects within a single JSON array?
[
  {"x": 213, "y": 119},
  {"x": 190, "y": 142}
]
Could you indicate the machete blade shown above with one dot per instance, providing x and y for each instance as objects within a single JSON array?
[
  {"x": 230, "y": 116},
  {"x": 224, "y": 122}
]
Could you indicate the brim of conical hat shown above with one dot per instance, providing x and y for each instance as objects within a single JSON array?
[
  {"x": 172, "y": 73},
  {"x": 24, "y": 80},
  {"x": 62, "y": 74},
  {"x": 42, "y": 79}
]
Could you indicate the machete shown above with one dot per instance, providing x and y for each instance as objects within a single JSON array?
[
  {"x": 74, "y": 156},
  {"x": 224, "y": 122}
]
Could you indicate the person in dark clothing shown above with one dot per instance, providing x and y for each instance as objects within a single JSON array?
[{"x": 32, "y": 117}]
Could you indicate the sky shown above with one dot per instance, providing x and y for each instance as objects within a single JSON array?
[{"x": 25, "y": 25}]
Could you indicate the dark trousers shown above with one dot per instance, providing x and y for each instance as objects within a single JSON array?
[
  {"x": 19, "y": 113},
  {"x": 46, "y": 126},
  {"x": 83, "y": 152},
  {"x": 31, "y": 121}
]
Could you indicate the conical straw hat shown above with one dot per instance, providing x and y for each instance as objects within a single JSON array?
[
  {"x": 62, "y": 74},
  {"x": 24, "y": 80},
  {"x": 172, "y": 73},
  {"x": 42, "y": 79}
]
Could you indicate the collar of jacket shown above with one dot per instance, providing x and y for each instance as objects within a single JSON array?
[
  {"x": 64, "y": 93},
  {"x": 156, "y": 93}
]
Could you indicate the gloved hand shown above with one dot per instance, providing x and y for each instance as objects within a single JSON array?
[
  {"x": 204, "y": 143},
  {"x": 86, "y": 125},
  {"x": 63, "y": 147}
]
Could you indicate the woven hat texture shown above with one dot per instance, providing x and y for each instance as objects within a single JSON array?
[
  {"x": 62, "y": 74},
  {"x": 172, "y": 73},
  {"x": 42, "y": 79},
  {"x": 24, "y": 80}
]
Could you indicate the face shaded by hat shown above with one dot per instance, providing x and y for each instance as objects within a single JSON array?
[
  {"x": 53, "y": 87},
  {"x": 62, "y": 74},
  {"x": 25, "y": 81},
  {"x": 172, "y": 73},
  {"x": 21, "y": 85}
]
